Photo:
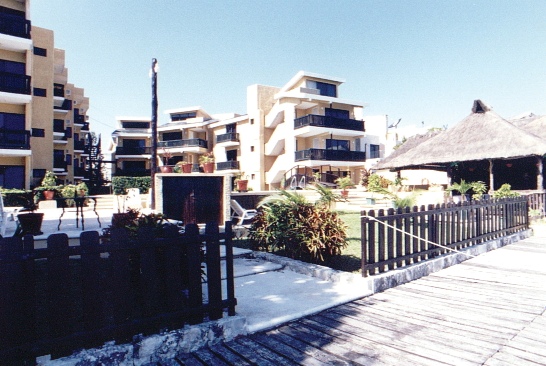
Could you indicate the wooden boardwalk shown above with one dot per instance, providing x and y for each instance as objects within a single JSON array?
[{"x": 486, "y": 311}]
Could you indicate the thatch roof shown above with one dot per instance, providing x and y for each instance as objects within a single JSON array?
[
  {"x": 482, "y": 135},
  {"x": 537, "y": 126},
  {"x": 409, "y": 144}
]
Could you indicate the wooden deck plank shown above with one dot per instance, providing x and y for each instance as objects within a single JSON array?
[
  {"x": 489, "y": 310},
  {"x": 227, "y": 355}
]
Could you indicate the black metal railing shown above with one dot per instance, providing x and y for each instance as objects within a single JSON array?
[
  {"x": 66, "y": 106},
  {"x": 329, "y": 122},
  {"x": 85, "y": 126},
  {"x": 227, "y": 137},
  {"x": 184, "y": 143},
  {"x": 228, "y": 165},
  {"x": 331, "y": 155},
  {"x": 66, "y": 297},
  {"x": 14, "y": 83},
  {"x": 79, "y": 145},
  {"x": 60, "y": 164},
  {"x": 79, "y": 171},
  {"x": 14, "y": 139},
  {"x": 137, "y": 150},
  {"x": 58, "y": 90},
  {"x": 398, "y": 238},
  {"x": 15, "y": 26}
]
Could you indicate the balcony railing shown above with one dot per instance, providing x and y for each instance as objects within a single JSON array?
[
  {"x": 79, "y": 171},
  {"x": 14, "y": 83},
  {"x": 58, "y": 90},
  {"x": 85, "y": 126},
  {"x": 138, "y": 150},
  {"x": 14, "y": 139},
  {"x": 228, "y": 165},
  {"x": 332, "y": 155},
  {"x": 59, "y": 163},
  {"x": 329, "y": 122},
  {"x": 227, "y": 137},
  {"x": 67, "y": 105},
  {"x": 14, "y": 26},
  {"x": 133, "y": 172},
  {"x": 183, "y": 143}
]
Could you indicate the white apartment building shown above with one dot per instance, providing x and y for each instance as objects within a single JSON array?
[{"x": 290, "y": 136}]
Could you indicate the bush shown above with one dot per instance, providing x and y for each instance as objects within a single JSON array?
[
  {"x": 297, "y": 228},
  {"x": 16, "y": 197},
  {"x": 377, "y": 183},
  {"x": 121, "y": 184},
  {"x": 505, "y": 191}
]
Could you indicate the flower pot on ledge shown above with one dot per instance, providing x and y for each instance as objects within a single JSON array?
[
  {"x": 208, "y": 167},
  {"x": 166, "y": 169},
  {"x": 242, "y": 185},
  {"x": 49, "y": 195},
  {"x": 186, "y": 168}
]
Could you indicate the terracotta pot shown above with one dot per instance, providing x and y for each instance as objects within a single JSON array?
[
  {"x": 344, "y": 193},
  {"x": 166, "y": 169},
  {"x": 186, "y": 168},
  {"x": 48, "y": 195},
  {"x": 31, "y": 223},
  {"x": 242, "y": 185},
  {"x": 208, "y": 167}
]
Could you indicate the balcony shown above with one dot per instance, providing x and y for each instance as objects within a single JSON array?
[
  {"x": 14, "y": 26},
  {"x": 79, "y": 145},
  {"x": 133, "y": 172},
  {"x": 311, "y": 124},
  {"x": 228, "y": 165},
  {"x": 79, "y": 171},
  {"x": 58, "y": 90},
  {"x": 59, "y": 164},
  {"x": 183, "y": 143},
  {"x": 231, "y": 137},
  {"x": 85, "y": 126},
  {"x": 14, "y": 139},
  {"x": 331, "y": 155},
  {"x": 14, "y": 83},
  {"x": 58, "y": 126},
  {"x": 65, "y": 107},
  {"x": 137, "y": 150}
]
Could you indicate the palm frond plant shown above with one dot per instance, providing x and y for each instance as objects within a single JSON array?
[{"x": 327, "y": 196}]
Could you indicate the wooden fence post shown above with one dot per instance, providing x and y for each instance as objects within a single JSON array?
[
  {"x": 195, "y": 298},
  {"x": 214, "y": 276},
  {"x": 230, "y": 285}
]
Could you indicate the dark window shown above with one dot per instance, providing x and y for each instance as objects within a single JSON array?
[
  {"x": 374, "y": 152},
  {"x": 38, "y": 132},
  {"x": 252, "y": 149},
  {"x": 12, "y": 176},
  {"x": 40, "y": 51},
  {"x": 12, "y": 67},
  {"x": 12, "y": 121},
  {"x": 326, "y": 89},
  {"x": 39, "y": 92},
  {"x": 183, "y": 116},
  {"x": 134, "y": 143},
  {"x": 231, "y": 128},
  {"x": 38, "y": 173},
  {"x": 145, "y": 125},
  {"x": 338, "y": 113},
  {"x": 134, "y": 165},
  {"x": 68, "y": 158},
  {"x": 337, "y": 145},
  {"x": 252, "y": 121},
  {"x": 170, "y": 136},
  {"x": 231, "y": 155},
  {"x": 68, "y": 133}
]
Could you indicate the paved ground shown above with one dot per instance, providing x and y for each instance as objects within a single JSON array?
[{"x": 489, "y": 310}]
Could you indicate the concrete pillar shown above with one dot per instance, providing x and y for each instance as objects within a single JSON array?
[{"x": 540, "y": 177}]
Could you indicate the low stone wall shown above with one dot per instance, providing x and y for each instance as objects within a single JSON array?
[{"x": 406, "y": 274}]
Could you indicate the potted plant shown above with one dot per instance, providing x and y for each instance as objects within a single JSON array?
[
  {"x": 81, "y": 189},
  {"x": 166, "y": 156},
  {"x": 241, "y": 181},
  {"x": 49, "y": 185},
  {"x": 30, "y": 222},
  {"x": 183, "y": 167},
  {"x": 207, "y": 162},
  {"x": 343, "y": 183},
  {"x": 462, "y": 187}
]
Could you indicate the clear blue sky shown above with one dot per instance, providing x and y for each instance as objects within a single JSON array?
[{"x": 416, "y": 60}]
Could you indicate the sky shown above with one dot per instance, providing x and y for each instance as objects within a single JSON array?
[{"x": 424, "y": 61}]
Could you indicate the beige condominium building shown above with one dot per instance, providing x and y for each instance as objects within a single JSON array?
[
  {"x": 291, "y": 136},
  {"x": 43, "y": 124}
]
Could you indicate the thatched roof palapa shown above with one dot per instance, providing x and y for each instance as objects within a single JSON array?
[{"x": 483, "y": 135}]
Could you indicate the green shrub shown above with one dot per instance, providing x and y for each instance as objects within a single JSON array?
[
  {"x": 121, "y": 184},
  {"x": 377, "y": 183},
  {"x": 16, "y": 197},
  {"x": 298, "y": 229},
  {"x": 505, "y": 191}
]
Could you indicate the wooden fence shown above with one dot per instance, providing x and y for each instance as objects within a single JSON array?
[
  {"x": 400, "y": 237},
  {"x": 537, "y": 203},
  {"x": 61, "y": 298}
]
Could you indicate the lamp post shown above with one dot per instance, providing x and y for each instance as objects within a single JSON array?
[{"x": 153, "y": 73}]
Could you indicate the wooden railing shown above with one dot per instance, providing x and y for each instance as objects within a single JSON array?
[
  {"x": 537, "y": 203},
  {"x": 61, "y": 298},
  {"x": 398, "y": 238}
]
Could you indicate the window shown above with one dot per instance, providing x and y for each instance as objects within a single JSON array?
[
  {"x": 38, "y": 132},
  {"x": 337, "y": 145},
  {"x": 231, "y": 128},
  {"x": 12, "y": 121},
  {"x": 231, "y": 155},
  {"x": 170, "y": 136},
  {"x": 38, "y": 173},
  {"x": 326, "y": 89},
  {"x": 252, "y": 121},
  {"x": 145, "y": 125},
  {"x": 183, "y": 116},
  {"x": 374, "y": 151},
  {"x": 68, "y": 158},
  {"x": 252, "y": 149},
  {"x": 38, "y": 51},
  {"x": 12, "y": 176},
  {"x": 338, "y": 113},
  {"x": 12, "y": 67},
  {"x": 39, "y": 92}
]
